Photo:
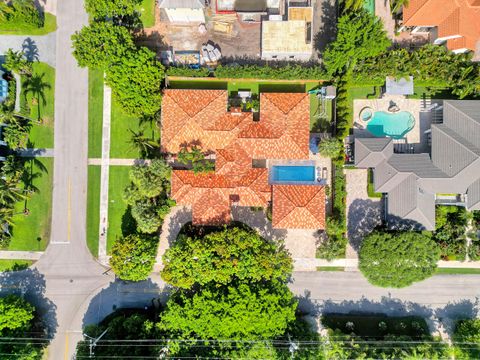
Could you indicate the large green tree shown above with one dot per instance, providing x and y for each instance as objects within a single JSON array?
[
  {"x": 360, "y": 36},
  {"x": 237, "y": 311},
  {"x": 133, "y": 256},
  {"x": 331, "y": 147},
  {"x": 15, "y": 314},
  {"x": 111, "y": 9},
  {"x": 398, "y": 259},
  {"x": 136, "y": 82},
  {"x": 101, "y": 44},
  {"x": 466, "y": 339},
  {"x": 223, "y": 256}
]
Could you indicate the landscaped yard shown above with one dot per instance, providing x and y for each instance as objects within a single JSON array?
[
  {"x": 32, "y": 231},
  {"x": 13, "y": 265},
  {"x": 49, "y": 26},
  {"x": 37, "y": 103},
  {"x": 321, "y": 114},
  {"x": 95, "y": 113},
  {"x": 118, "y": 217},
  {"x": 120, "y": 134},
  {"x": 147, "y": 11},
  {"x": 457, "y": 271},
  {"x": 371, "y": 187},
  {"x": 93, "y": 208}
]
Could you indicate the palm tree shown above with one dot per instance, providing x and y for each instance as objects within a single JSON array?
[
  {"x": 37, "y": 86},
  {"x": 10, "y": 193},
  {"x": 396, "y": 5},
  {"x": 6, "y": 216},
  {"x": 353, "y": 5},
  {"x": 141, "y": 142}
]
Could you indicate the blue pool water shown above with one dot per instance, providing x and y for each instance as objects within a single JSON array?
[
  {"x": 394, "y": 125},
  {"x": 293, "y": 173}
]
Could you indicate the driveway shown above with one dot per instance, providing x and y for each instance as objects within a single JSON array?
[
  {"x": 36, "y": 48},
  {"x": 324, "y": 25},
  {"x": 363, "y": 213}
]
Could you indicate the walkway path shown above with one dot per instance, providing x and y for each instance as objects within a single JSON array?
[
  {"x": 35, "y": 152},
  {"x": 103, "y": 229},
  {"x": 363, "y": 213},
  {"x": 41, "y": 48},
  {"x": 117, "y": 162},
  {"x": 20, "y": 255},
  {"x": 382, "y": 10}
]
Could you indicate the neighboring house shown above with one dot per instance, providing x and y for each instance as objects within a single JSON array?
[
  {"x": 183, "y": 11},
  {"x": 290, "y": 39},
  {"x": 244, "y": 149},
  {"x": 456, "y": 22},
  {"x": 414, "y": 183},
  {"x": 246, "y": 8}
]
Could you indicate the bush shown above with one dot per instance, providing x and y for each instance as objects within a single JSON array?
[
  {"x": 133, "y": 256},
  {"x": 467, "y": 332},
  {"x": 20, "y": 14},
  {"x": 188, "y": 72},
  {"x": 398, "y": 259},
  {"x": 451, "y": 222}
]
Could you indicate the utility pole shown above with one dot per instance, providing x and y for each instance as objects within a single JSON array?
[
  {"x": 292, "y": 348},
  {"x": 93, "y": 341}
]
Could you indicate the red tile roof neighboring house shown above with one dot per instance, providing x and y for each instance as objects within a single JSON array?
[
  {"x": 201, "y": 117},
  {"x": 452, "y": 17},
  {"x": 298, "y": 206}
]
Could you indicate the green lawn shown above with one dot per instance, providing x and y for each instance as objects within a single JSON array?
[
  {"x": 49, "y": 26},
  {"x": 93, "y": 208},
  {"x": 371, "y": 187},
  {"x": 433, "y": 92},
  {"x": 321, "y": 114},
  {"x": 117, "y": 208},
  {"x": 330, "y": 268},
  {"x": 147, "y": 11},
  {"x": 120, "y": 135},
  {"x": 42, "y": 112},
  {"x": 32, "y": 231},
  {"x": 95, "y": 113},
  {"x": 453, "y": 271},
  {"x": 13, "y": 265}
]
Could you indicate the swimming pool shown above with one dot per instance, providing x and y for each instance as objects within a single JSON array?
[
  {"x": 395, "y": 125},
  {"x": 282, "y": 173}
]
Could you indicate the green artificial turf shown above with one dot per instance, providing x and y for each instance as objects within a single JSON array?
[
  {"x": 147, "y": 13},
  {"x": 93, "y": 208},
  {"x": 321, "y": 114},
  {"x": 32, "y": 232},
  {"x": 95, "y": 113},
  {"x": 49, "y": 25},
  {"x": 117, "y": 208},
  {"x": 14, "y": 265},
  {"x": 120, "y": 135},
  {"x": 40, "y": 106}
]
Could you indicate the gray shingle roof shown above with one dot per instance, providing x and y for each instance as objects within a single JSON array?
[
  {"x": 369, "y": 152},
  {"x": 473, "y": 195},
  {"x": 411, "y": 180},
  {"x": 181, "y": 4}
]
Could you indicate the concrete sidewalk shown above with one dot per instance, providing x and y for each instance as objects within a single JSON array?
[
  {"x": 20, "y": 255},
  {"x": 353, "y": 263}
]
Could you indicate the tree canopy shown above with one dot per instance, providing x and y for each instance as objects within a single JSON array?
[
  {"x": 133, "y": 256},
  {"x": 331, "y": 147},
  {"x": 360, "y": 36},
  {"x": 136, "y": 82},
  {"x": 467, "y": 331},
  {"x": 398, "y": 259},
  {"x": 237, "y": 311},
  {"x": 103, "y": 9},
  {"x": 101, "y": 44},
  {"x": 223, "y": 256},
  {"x": 15, "y": 314}
]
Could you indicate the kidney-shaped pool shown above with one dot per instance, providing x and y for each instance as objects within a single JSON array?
[{"x": 395, "y": 125}]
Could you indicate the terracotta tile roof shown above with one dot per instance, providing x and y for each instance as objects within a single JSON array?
[
  {"x": 452, "y": 17},
  {"x": 201, "y": 117},
  {"x": 298, "y": 206}
]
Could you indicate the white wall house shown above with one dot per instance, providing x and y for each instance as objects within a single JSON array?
[{"x": 183, "y": 11}]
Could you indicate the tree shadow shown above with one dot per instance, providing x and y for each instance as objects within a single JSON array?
[
  {"x": 122, "y": 295},
  {"x": 452, "y": 312},
  {"x": 174, "y": 224},
  {"x": 129, "y": 225},
  {"x": 364, "y": 215},
  {"x": 258, "y": 220},
  {"x": 328, "y": 29},
  {"x": 30, "y": 284},
  {"x": 36, "y": 85},
  {"x": 30, "y": 50}
]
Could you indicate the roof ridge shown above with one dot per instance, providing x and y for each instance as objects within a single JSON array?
[
  {"x": 463, "y": 144},
  {"x": 421, "y": 6},
  {"x": 220, "y": 93}
]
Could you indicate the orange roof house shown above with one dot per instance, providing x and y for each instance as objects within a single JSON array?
[
  {"x": 457, "y": 21},
  {"x": 282, "y": 132}
]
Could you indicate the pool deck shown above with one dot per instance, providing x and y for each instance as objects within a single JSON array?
[{"x": 404, "y": 104}]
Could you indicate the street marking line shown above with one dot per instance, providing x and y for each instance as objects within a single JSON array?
[
  {"x": 65, "y": 357},
  {"x": 69, "y": 211}
]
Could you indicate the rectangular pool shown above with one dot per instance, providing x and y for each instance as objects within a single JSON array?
[{"x": 293, "y": 173}]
